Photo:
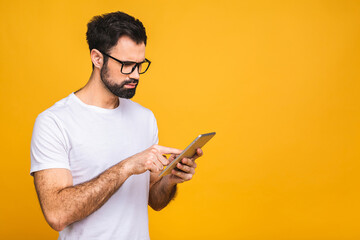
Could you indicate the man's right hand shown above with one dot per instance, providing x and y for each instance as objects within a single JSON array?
[{"x": 151, "y": 159}]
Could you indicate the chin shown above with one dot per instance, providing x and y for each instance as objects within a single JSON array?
[{"x": 129, "y": 93}]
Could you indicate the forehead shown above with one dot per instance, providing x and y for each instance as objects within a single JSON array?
[{"x": 128, "y": 50}]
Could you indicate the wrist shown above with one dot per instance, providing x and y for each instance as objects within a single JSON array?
[
  {"x": 125, "y": 168},
  {"x": 169, "y": 181}
]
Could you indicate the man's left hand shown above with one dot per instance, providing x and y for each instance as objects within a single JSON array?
[{"x": 184, "y": 170}]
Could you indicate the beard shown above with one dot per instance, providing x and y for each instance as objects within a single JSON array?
[{"x": 118, "y": 89}]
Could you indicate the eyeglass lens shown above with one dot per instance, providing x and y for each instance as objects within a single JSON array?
[{"x": 128, "y": 67}]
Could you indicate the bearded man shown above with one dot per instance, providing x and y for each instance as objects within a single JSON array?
[{"x": 94, "y": 154}]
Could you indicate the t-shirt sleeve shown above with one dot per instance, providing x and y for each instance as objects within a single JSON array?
[{"x": 48, "y": 144}]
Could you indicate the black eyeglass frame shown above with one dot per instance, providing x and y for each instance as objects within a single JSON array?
[{"x": 129, "y": 62}]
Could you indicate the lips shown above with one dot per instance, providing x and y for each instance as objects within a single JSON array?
[{"x": 130, "y": 85}]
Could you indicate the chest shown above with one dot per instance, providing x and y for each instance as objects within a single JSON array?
[{"x": 97, "y": 143}]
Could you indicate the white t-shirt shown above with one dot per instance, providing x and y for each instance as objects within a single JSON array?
[{"x": 87, "y": 140}]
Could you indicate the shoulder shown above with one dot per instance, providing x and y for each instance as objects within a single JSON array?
[
  {"x": 53, "y": 113},
  {"x": 60, "y": 106}
]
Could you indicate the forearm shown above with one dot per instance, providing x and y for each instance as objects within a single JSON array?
[
  {"x": 62, "y": 203},
  {"x": 161, "y": 193},
  {"x": 74, "y": 203}
]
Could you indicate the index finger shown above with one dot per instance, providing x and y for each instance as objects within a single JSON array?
[{"x": 168, "y": 150}]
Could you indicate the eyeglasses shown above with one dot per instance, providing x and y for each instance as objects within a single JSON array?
[{"x": 127, "y": 67}]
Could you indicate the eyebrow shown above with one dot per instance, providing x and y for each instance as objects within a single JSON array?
[
  {"x": 133, "y": 61},
  {"x": 119, "y": 59}
]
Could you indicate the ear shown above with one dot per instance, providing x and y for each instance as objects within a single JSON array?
[{"x": 97, "y": 58}]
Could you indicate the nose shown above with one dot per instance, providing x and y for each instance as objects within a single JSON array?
[{"x": 135, "y": 73}]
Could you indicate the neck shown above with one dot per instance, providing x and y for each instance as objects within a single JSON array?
[{"x": 96, "y": 94}]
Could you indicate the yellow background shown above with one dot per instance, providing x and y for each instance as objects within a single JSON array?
[{"x": 277, "y": 80}]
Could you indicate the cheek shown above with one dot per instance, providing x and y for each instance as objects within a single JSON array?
[{"x": 114, "y": 74}]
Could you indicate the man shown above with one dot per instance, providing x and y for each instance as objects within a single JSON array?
[{"x": 94, "y": 154}]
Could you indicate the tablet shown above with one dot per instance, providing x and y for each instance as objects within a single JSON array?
[{"x": 189, "y": 152}]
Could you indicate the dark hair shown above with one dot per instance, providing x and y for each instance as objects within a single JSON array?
[{"x": 105, "y": 30}]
